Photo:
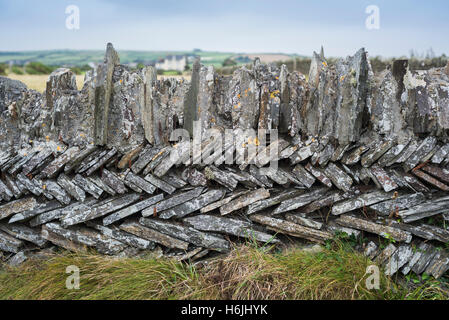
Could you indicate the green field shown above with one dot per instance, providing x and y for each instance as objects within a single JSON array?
[{"x": 83, "y": 57}]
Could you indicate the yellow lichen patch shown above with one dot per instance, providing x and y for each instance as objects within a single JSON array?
[
  {"x": 43, "y": 125},
  {"x": 342, "y": 78},
  {"x": 277, "y": 78},
  {"x": 58, "y": 148},
  {"x": 274, "y": 93},
  {"x": 121, "y": 81},
  {"x": 31, "y": 141},
  {"x": 256, "y": 141},
  {"x": 212, "y": 120},
  {"x": 325, "y": 63},
  {"x": 44, "y": 186},
  {"x": 47, "y": 138},
  {"x": 82, "y": 135}
]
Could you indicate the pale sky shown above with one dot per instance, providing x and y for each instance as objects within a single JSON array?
[{"x": 289, "y": 26}]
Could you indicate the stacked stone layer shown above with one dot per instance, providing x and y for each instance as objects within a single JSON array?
[{"x": 357, "y": 153}]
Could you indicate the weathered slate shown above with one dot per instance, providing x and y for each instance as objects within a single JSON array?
[
  {"x": 140, "y": 182},
  {"x": 61, "y": 241},
  {"x": 255, "y": 172},
  {"x": 427, "y": 256},
  {"x": 108, "y": 156},
  {"x": 319, "y": 174},
  {"x": 194, "y": 177},
  {"x": 431, "y": 180},
  {"x": 385, "y": 208},
  {"x": 57, "y": 213},
  {"x": 59, "y": 193},
  {"x": 145, "y": 156},
  {"x": 338, "y": 177},
  {"x": 423, "y": 150},
  {"x": 391, "y": 155},
  {"x": 157, "y": 159},
  {"x": 302, "y": 154},
  {"x": 440, "y": 154},
  {"x": 9, "y": 243},
  {"x": 178, "y": 154},
  {"x": 122, "y": 236},
  {"x": 193, "y": 205},
  {"x": 229, "y": 226},
  {"x": 57, "y": 164},
  {"x": 101, "y": 209},
  {"x": 375, "y": 153},
  {"x": 22, "y": 232},
  {"x": 15, "y": 168},
  {"x": 103, "y": 93},
  {"x": 17, "y": 259},
  {"x": 17, "y": 206},
  {"x": 424, "y": 210},
  {"x": 386, "y": 253},
  {"x": 29, "y": 185},
  {"x": 399, "y": 258},
  {"x": 129, "y": 157},
  {"x": 88, "y": 186},
  {"x": 298, "y": 219},
  {"x": 439, "y": 265},
  {"x": 77, "y": 159},
  {"x": 414, "y": 183},
  {"x": 174, "y": 180},
  {"x": 171, "y": 202},
  {"x": 292, "y": 229},
  {"x": 371, "y": 250},
  {"x": 11, "y": 184},
  {"x": 337, "y": 229},
  {"x": 275, "y": 175},
  {"x": 300, "y": 201},
  {"x": 139, "y": 206},
  {"x": 188, "y": 234},
  {"x": 418, "y": 253},
  {"x": 328, "y": 200},
  {"x": 5, "y": 193},
  {"x": 352, "y": 157},
  {"x": 110, "y": 179},
  {"x": 406, "y": 152},
  {"x": 244, "y": 201},
  {"x": 91, "y": 160},
  {"x": 35, "y": 210},
  {"x": 267, "y": 203},
  {"x": 222, "y": 177},
  {"x": 270, "y": 153},
  {"x": 160, "y": 184},
  {"x": 440, "y": 173},
  {"x": 361, "y": 201},
  {"x": 382, "y": 177},
  {"x": 219, "y": 203},
  {"x": 71, "y": 188},
  {"x": 303, "y": 175},
  {"x": 152, "y": 235},
  {"x": 369, "y": 226},
  {"x": 99, "y": 183}
]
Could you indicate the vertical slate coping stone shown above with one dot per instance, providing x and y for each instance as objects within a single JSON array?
[
  {"x": 103, "y": 90},
  {"x": 191, "y": 98}
]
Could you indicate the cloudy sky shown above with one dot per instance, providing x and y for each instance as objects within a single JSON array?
[{"x": 290, "y": 26}]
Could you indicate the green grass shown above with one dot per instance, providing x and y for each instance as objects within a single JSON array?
[{"x": 247, "y": 272}]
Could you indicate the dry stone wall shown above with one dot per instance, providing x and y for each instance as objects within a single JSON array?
[{"x": 354, "y": 153}]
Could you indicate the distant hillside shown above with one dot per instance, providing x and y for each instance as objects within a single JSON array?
[{"x": 83, "y": 57}]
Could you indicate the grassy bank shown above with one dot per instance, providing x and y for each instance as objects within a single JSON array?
[{"x": 246, "y": 273}]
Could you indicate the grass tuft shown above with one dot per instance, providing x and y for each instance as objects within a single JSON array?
[{"x": 247, "y": 272}]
